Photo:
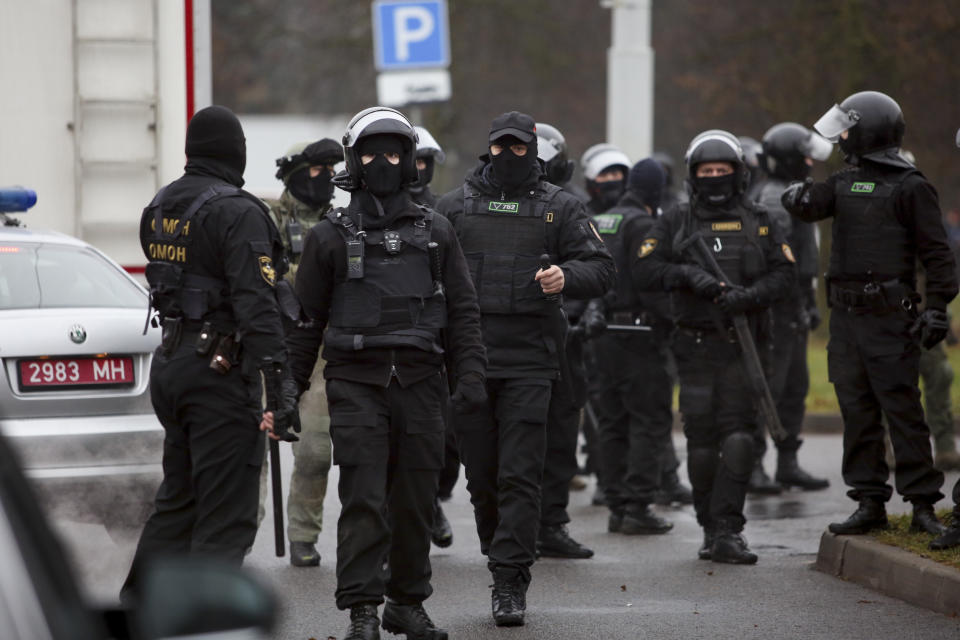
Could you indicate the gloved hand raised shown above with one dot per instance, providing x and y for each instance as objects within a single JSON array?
[
  {"x": 931, "y": 327},
  {"x": 739, "y": 299},
  {"x": 470, "y": 394},
  {"x": 282, "y": 395},
  {"x": 793, "y": 197}
]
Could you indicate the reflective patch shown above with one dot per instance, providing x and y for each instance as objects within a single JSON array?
[
  {"x": 787, "y": 252},
  {"x": 726, "y": 226},
  {"x": 267, "y": 271},
  {"x": 608, "y": 223},
  {"x": 647, "y": 247},
  {"x": 763, "y": 231},
  {"x": 504, "y": 207},
  {"x": 863, "y": 187},
  {"x": 594, "y": 229}
]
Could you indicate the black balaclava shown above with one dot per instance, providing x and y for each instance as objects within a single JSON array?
[
  {"x": 215, "y": 132},
  {"x": 717, "y": 190},
  {"x": 647, "y": 180},
  {"x": 313, "y": 192},
  {"x": 425, "y": 175},
  {"x": 509, "y": 169},
  {"x": 379, "y": 176}
]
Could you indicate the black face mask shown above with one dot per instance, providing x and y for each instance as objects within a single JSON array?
[
  {"x": 425, "y": 174},
  {"x": 313, "y": 192},
  {"x": 716, "y": 190},
  {"x": 511, "y": 170},
  {"x": 382, "y": 178},
  {"x": 609, "y": 193}
]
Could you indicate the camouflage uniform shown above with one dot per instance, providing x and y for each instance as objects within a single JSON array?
[
  {"x": 937, "y": 375},
  {"x": 308, "y": 484}
]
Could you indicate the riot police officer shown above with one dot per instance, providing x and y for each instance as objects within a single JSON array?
[
  {"x": 306, "y": 171},
  {"x": 508, "y": 218},
  {"x": 885, "y": 216},
  {"x": 387, "y": 291},
  {"x": 215, "y": 262},
  {"x": 718, "y": 410},
  {"x": 605, "y": 170},
  {"x": 789, "y": 150},
  {"x": 429, "y": 155},
  {"x": 634, "y": 407}
]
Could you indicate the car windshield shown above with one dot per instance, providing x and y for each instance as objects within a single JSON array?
[{"x": 49, "y": 276}]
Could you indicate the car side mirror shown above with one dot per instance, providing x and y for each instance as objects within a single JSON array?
[{"x": 194, "y": 595}]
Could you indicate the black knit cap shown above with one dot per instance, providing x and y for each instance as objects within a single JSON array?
[
  {"x": 647, "y": 180},
  {"x": 324, "y": 151},
  {"x": 215, "y": 132}
]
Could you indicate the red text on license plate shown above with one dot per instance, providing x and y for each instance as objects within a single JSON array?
[{"x": 75, "y": 372}]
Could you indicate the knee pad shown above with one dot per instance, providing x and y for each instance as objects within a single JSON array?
[
  {"x": 702, "y": 467},
  {"x": 738, "y": 454}
]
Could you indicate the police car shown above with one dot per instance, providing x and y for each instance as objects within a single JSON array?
[{"x": 74, "y": 373}]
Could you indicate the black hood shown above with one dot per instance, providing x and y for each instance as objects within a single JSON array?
[
  {"x": 395, "y": 207},
  {"x": 212, "y": 167},
  {"x": 214, "y": 133},
  {"x": 635, "y": 200}
]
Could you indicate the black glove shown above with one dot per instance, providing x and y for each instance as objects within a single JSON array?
[
  {"x": 470, "y": 394},
  {"x": 700, "y": 282},
  {"x": 282, "y": 394},
  {"x": 813, "y": 317},
  {"x": 795, "y": 196},
  {"x": 931, "y": 326},
  {"x": 739, "y": 299},
  {"x": 592, "y": 322}
]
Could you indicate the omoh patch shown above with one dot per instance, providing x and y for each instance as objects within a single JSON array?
[
  {"x": 267, "y": 271},
  {"x": 647, "y": 247}
]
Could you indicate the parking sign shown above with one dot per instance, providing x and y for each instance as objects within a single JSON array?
[{"x": 410, "y": 34}]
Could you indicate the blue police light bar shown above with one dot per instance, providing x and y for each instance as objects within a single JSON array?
[{"x": 16, "y": 199}]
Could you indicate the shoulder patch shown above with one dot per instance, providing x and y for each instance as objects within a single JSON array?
[
  {"x": 787, "y": 252},
  {"x": 268, "y": 272},
  {"x": 648, "y": 247}
]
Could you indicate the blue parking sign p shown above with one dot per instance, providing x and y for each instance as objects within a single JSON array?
[{"x": 408, "y": 34}]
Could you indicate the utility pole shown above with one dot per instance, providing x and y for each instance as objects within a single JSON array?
[{"x": 630, "y": 78}]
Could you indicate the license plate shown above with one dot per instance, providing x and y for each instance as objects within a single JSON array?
[{"x": 67, "y": 373}]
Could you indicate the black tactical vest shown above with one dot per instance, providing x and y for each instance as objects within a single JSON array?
[
  {"x": 869, "y": 243},
  {"x": 610, "y": 226},
  {"x": 179, "y": 288},
  {"x": 734, "y": 238},
  {"x": 395, "y": 303},
  {"x": 503, "y": 240}
]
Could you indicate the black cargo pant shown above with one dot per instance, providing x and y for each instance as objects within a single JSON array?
[
  {"x": 563, "y": 430},
  {"x": 502, "y": 447},
  {"x": 718, "y": 422},
  {"x": 388, "y": 443},
  {"x": 212, "y": 452},
  {"x": 789, "y": 380},
  {"x": 635, "y": 416},
  {"x": 451, "y": 457},
  {"x": 874, "y": 365}
]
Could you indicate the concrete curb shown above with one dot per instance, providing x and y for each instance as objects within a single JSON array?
[{"x": 891, "y": 571}]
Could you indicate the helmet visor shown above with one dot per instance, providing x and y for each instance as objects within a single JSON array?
[
  {"x": 817, "y": 147},
  {"x": 546, "y": 149},
  {"x": 834, "y": 122}
]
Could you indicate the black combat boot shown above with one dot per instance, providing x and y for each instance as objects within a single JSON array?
[
  {"x": 640, "y": 520},
  {"x": 442, "y": 532},
  {"x": 304, "y": 554},
  {"x": 760, "y": 483},
  {"x": 950, "y": 537},
  {"x": 729, "y": 547},
  {"x": 599, "y": 498},
  {"x": 672, "y": 491},
  {"x": 364, "y": 623},
  {"x": 508, "y": 598},
  {"x": 789, "y": 474},
  {"x": 925, "y": 520},
  {"x": 411, "y": 620},
  {"x": 706, "y": 550},
  {"x": 870, "y": 514},
  {"x": 615, "y": 522},
  {"x": 555, "y": 542}
]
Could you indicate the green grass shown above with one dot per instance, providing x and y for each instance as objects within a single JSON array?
[{"x": 899, "y": 535}]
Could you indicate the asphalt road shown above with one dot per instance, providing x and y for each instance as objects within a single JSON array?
[{"x": 634, "y": 587}]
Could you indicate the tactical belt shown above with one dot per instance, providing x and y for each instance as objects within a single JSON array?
[
  {"x": 621, "y": 317},
  {"x": 205, "y": 339},
  {"x": 871, "y": 297},
  {"x": 700, "y": 334}
]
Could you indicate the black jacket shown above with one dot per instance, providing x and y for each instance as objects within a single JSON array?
[
  {"x": 518, "y": 345},
  {"x": 323, "y": 264}
]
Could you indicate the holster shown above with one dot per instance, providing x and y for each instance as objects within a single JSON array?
[{"x": 170, "y": 335}]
